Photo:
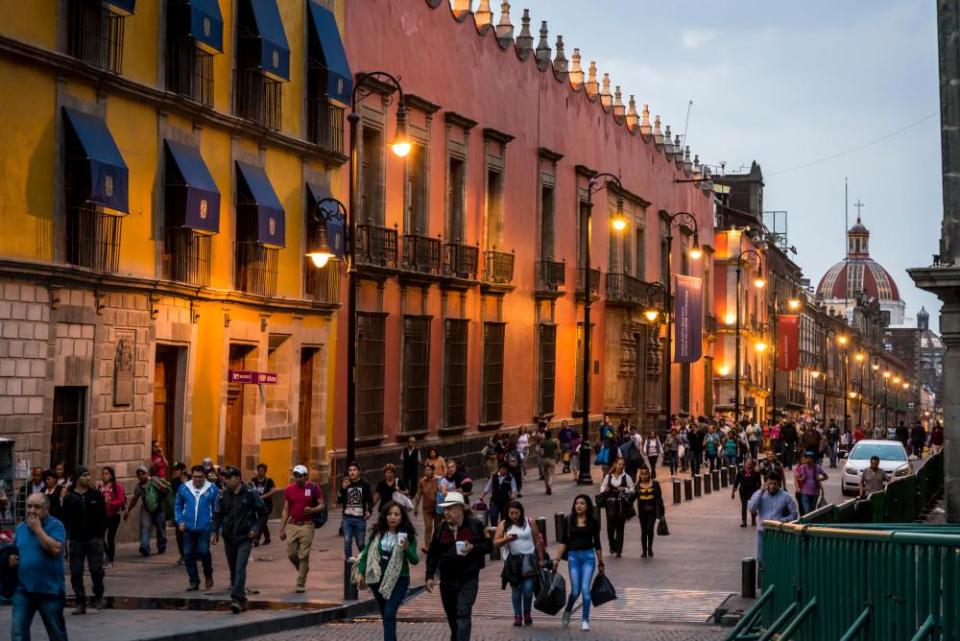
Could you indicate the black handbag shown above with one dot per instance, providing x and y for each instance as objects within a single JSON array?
[
  {"x": 602, "y": 591},
  {"x": 662, "y": 529}
]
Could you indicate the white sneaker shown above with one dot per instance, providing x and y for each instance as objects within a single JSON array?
[{"x": 585, "y": 626}]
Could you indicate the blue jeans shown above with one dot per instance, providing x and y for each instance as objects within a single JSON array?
[
  {"x": 808, "y": 503},
  {"x": 148, "y": 521},
  {"x": 581, "y": 563},
  {"x": 196, "y": 545},
  {"x": 760, "y": 547},
  {"x": 50, "y": 607},
  {"x": 389, "y": 607},
  {"x": 354, "y": 529},
  {"x": 731, "y": 459},
  {"x": 522, "y": 595},
  {"x": 238, "y": 554}
]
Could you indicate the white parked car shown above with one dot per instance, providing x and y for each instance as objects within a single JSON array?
[{"x": 893, "y": 460}]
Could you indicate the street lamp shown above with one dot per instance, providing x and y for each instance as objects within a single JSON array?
[
  {"x": 873, "y": 395},
  {"x": 861, "y": 358},
  {"x": 597, "y": 182},
  {"x": 793, "y": 304},
  {"x": 886, "y": 403},
  {"x": 842, "y": 341},
  {"x": 758, "y": 281},
  {"x": 322, "y": 249},
  {"x": 695, "y": 253},
  {"x": 401, "y": 146}
]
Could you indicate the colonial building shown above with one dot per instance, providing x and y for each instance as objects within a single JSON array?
[
  {"x": 162, "y": 163},
  {"x": 922, "y": 350}
]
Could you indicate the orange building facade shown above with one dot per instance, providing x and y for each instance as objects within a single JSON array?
[{"x": 469, "y": 250}]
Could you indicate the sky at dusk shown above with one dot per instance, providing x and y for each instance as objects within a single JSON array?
[{"x": 787, "y": 85}]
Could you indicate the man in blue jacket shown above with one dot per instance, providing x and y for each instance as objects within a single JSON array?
[{"x": 193, "y": 511}]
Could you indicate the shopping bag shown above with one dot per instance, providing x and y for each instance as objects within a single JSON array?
[
  {"x": 602, "y": 590},
  {"x": 662, "y": 529},
  {"x": 553, "y": 593}
]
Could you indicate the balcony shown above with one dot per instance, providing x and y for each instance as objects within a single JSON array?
[
  {"x": 190, "y": 71},
  {"x": 377, "y": 246},
  {"x": 258, "y": 98},
  {"x": 322, "y": 285},
  {"x": 497, "y": 267},
  {"x": 256, "y": 271},
  {"x": 186, "y": 256},
  {"x": 624, "y": 289},
  {"x": 96, "y": 35},
  {"x": 461, "y": 261},
  {"x": 93, "y": 239},
  {"x": 551, "y": 275},
  {"x": 594, "y": 282},
  {"x": 421, "y": 254},
  {"x": 325, "y": 124}
]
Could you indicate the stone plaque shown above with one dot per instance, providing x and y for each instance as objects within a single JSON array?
[{"x": 123, "y": 368}]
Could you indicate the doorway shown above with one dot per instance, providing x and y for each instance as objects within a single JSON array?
[
  {"x": 69, "y": 427},
  {"x": 240, "y": 355},
  {"x": 165, "y": 400},
  {"x": 308, "y": 360}
]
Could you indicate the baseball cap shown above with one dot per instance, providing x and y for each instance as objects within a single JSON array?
[
  {"x": 300, "y": 469},
  {"x": 231, "y": 471},
  {"x": 143, "y": 468}
]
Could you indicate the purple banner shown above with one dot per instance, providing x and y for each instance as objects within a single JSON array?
[{"x": 688, "y": 319}]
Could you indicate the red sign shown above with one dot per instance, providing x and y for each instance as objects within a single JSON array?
[
  {"x": 252, "y": 378},
  {"x": 788, "y": 342}
]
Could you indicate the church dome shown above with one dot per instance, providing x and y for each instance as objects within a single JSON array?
[{"x": 858, "y": 273}]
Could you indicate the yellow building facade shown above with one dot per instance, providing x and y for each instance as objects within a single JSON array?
[{"x": 162, "y": 162}]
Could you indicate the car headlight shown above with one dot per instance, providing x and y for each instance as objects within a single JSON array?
[
  {"x": 852, "y": 471},
  {"x": 903, "y": 471}
]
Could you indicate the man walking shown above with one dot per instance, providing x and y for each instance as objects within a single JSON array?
[
  {"x": 873, "y": 479},
  {"x": 833, "y": 440},
  {"x": 356, "y": 497},
  {"x": 809, "y": 478},
  {"x": 301, "y": 500},
  {"x": 34, "y": 485},
  {"x": 457, "y": 551},
  {"x": 410, "y": 458},
  {"x": 770, "y": 504},
  {"x": 239, "y": 519},
  {"x": 748, "y": 482},
  {"x": 153, "y": 491},
  {"x": 193, "y": 512},
  {"x": 266, "y": 488},
  {"x": 85, "y": 517},
  {"x": 40, "y": 541}
]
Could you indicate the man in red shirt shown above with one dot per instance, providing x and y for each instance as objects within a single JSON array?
[{"x": 301, "y": 500}]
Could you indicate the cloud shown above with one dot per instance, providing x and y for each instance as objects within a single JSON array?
[{"x": 696, "y": 38}]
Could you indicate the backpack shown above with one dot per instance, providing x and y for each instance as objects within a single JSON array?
[
  {"x": 319, "y": 518},
  {"x": 629, "y": 453}
]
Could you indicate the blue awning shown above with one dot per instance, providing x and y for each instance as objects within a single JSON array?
[
  {"x": 123, "y": 6},
  {"x": 200, "y": 204},
  {"x": 254, "y": 187},
  {"x": 336, "y": 235},
  {"x": 200, "y": 20},
  {"x": 274, "y": 50},
  {"x": 103, "y": 172},
  {"x": 339, "y": 78}
]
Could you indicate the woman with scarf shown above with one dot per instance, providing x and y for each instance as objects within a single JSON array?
[
  {"x": 384, "y": 564},
  {"x": 522, "y": 553}
]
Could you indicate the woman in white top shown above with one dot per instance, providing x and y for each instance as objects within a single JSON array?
[
  {"x": 522, "y": 551},
  {"x": 652, "y": 449},
  {"x": 617, "y": 492}
]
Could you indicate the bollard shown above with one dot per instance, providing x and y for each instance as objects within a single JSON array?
[
  {"x": 732, "y": 473},
  {"x": 697, "y": 485},
  {"x": 723, "y": 477},
  {"x": 560, "y": 526},
  {"x": 715, "y": 478},
  {"x": 349, "y": 588},
  {"x": 541, "y": 522},
  {"x": 687, "y": 489},
  {"x": 707, "y": 483},
  {"x": 494, "y": 551},
  {"x": 748, "y": 578},
  {"x": 676, "y": 490}
]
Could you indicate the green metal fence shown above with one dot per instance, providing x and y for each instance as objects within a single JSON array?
[{"x": 860, "y": 580}]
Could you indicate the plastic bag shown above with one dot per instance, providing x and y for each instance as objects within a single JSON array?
[
  {"x": 552, "y": 595},
  {"x": 602, "y": 590}
]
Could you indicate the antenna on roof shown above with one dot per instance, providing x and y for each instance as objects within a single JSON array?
[
  {"x": 846, "y": 214},
  {"x": 686, "y": 123}
]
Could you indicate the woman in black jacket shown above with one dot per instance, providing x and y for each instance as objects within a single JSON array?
[
  {"x": 748, "y": 482},
  {"x": 649, "y": 508}
]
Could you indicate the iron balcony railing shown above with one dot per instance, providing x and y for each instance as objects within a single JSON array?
[
  {"x": 256, "y": 269},
  {"x": 258, "y": 98},
  {"x": 551, "y": 275},
  {"x": 710, "y": 324},
  {"x": 96, "y": 35},
  {"x": 186, "y": 256},
  {"x": 325, "y": 124},
  {"x": 497, "y": 267},
  {"x": 322, "y": 285},
  {"x": 625, "y": 289},
  {"x": 461, "y": 260},
  {"x": 377, "y": 246},
  {"x": 421, "y": 254},
  {"x": 594, "y": 281},
  {"x": 190, "y": 71},
  {"x": 93, "y": 239}
]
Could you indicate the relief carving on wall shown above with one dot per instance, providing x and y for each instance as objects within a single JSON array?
[{"x": 123, "y": 367}]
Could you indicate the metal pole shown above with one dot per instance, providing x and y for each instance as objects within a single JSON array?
[
  {"x": 668, "y": 312},
  {"x": 351, "y": 391},
  {"x": 736, "y": 355},
  {"x": 585, "y": 478},
  {"x": 846, "y": 366},
  {"x": 860, "y": 399},
  {"x": 776, "y": 322},
  {"x": 885, "y": 405}
]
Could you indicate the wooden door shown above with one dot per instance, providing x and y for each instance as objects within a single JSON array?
[
  {"x": 233, "y": 433},
  {"x": 164, "y": 399},
  {"x": 303, "y": 451}
]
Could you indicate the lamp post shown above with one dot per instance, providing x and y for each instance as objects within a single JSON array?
[
  {"x": 873, "y": 394},
  {"x": 619, "y": 223},
  {"x": 793, "y": 304},
  {"x": 758, "y": 282},
  {"x": 906, "y": 402},
  {"x": 842, "y": 341},
  {"x": 860, "y": 357},
  {"x": 695, "y": 254},
  {"x": 886, "y": 404},
  {"x": 400, "y": 145}
]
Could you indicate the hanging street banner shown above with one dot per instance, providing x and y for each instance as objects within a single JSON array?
[
  {"x": 788, "y": 342},
  {"x": 688, "y": 319}
]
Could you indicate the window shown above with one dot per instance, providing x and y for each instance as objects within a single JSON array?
[
  {"x": 455, "y": 372},
  {"x": 324, "y": 117},
  {"x": 93, "y": 238},
  {"x": 371, "y": 343},
  {"x": 547, "y": 368},
  {"x": 371, "y": 176},
  {"x": 96, "y": 34},
  {"x": 664, "y": 260},
  {"x": 493, "y": 339},
  {"x": 418, "y": 215},
  {"x": 186, "y": 256},
  {"x": 67, "y": 438},
  {"x": 494, "y": 208},
  {"x": 416, "y": 373},
  {"x": 547, "y": 203},
  {"x": 263, "y": 62},
  {"x": 456, "y": 193},
  {"x": 256, "y": 268},
  {"x": 640, "y": 254},
  {"x": 583, "y": 232}
]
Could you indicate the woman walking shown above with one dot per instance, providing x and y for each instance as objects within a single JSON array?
[
  {"x": 581, "y": 547},
  {"x": 649, "y": 508},
  {"x": 671, "y": 449},
  {"x": 748, "y": 482},
  {"x": 114, "y": 501},
  {"x": 388, "y": 486},
  {"x": 522, "y": 551},
  {"x": 427, "y": 499},
  {"x": 652, "y": 449},
  {"x": 385, "y": 563},
  {"x": 434, "y": 459},
  {"x": 617, "y": 492}
]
